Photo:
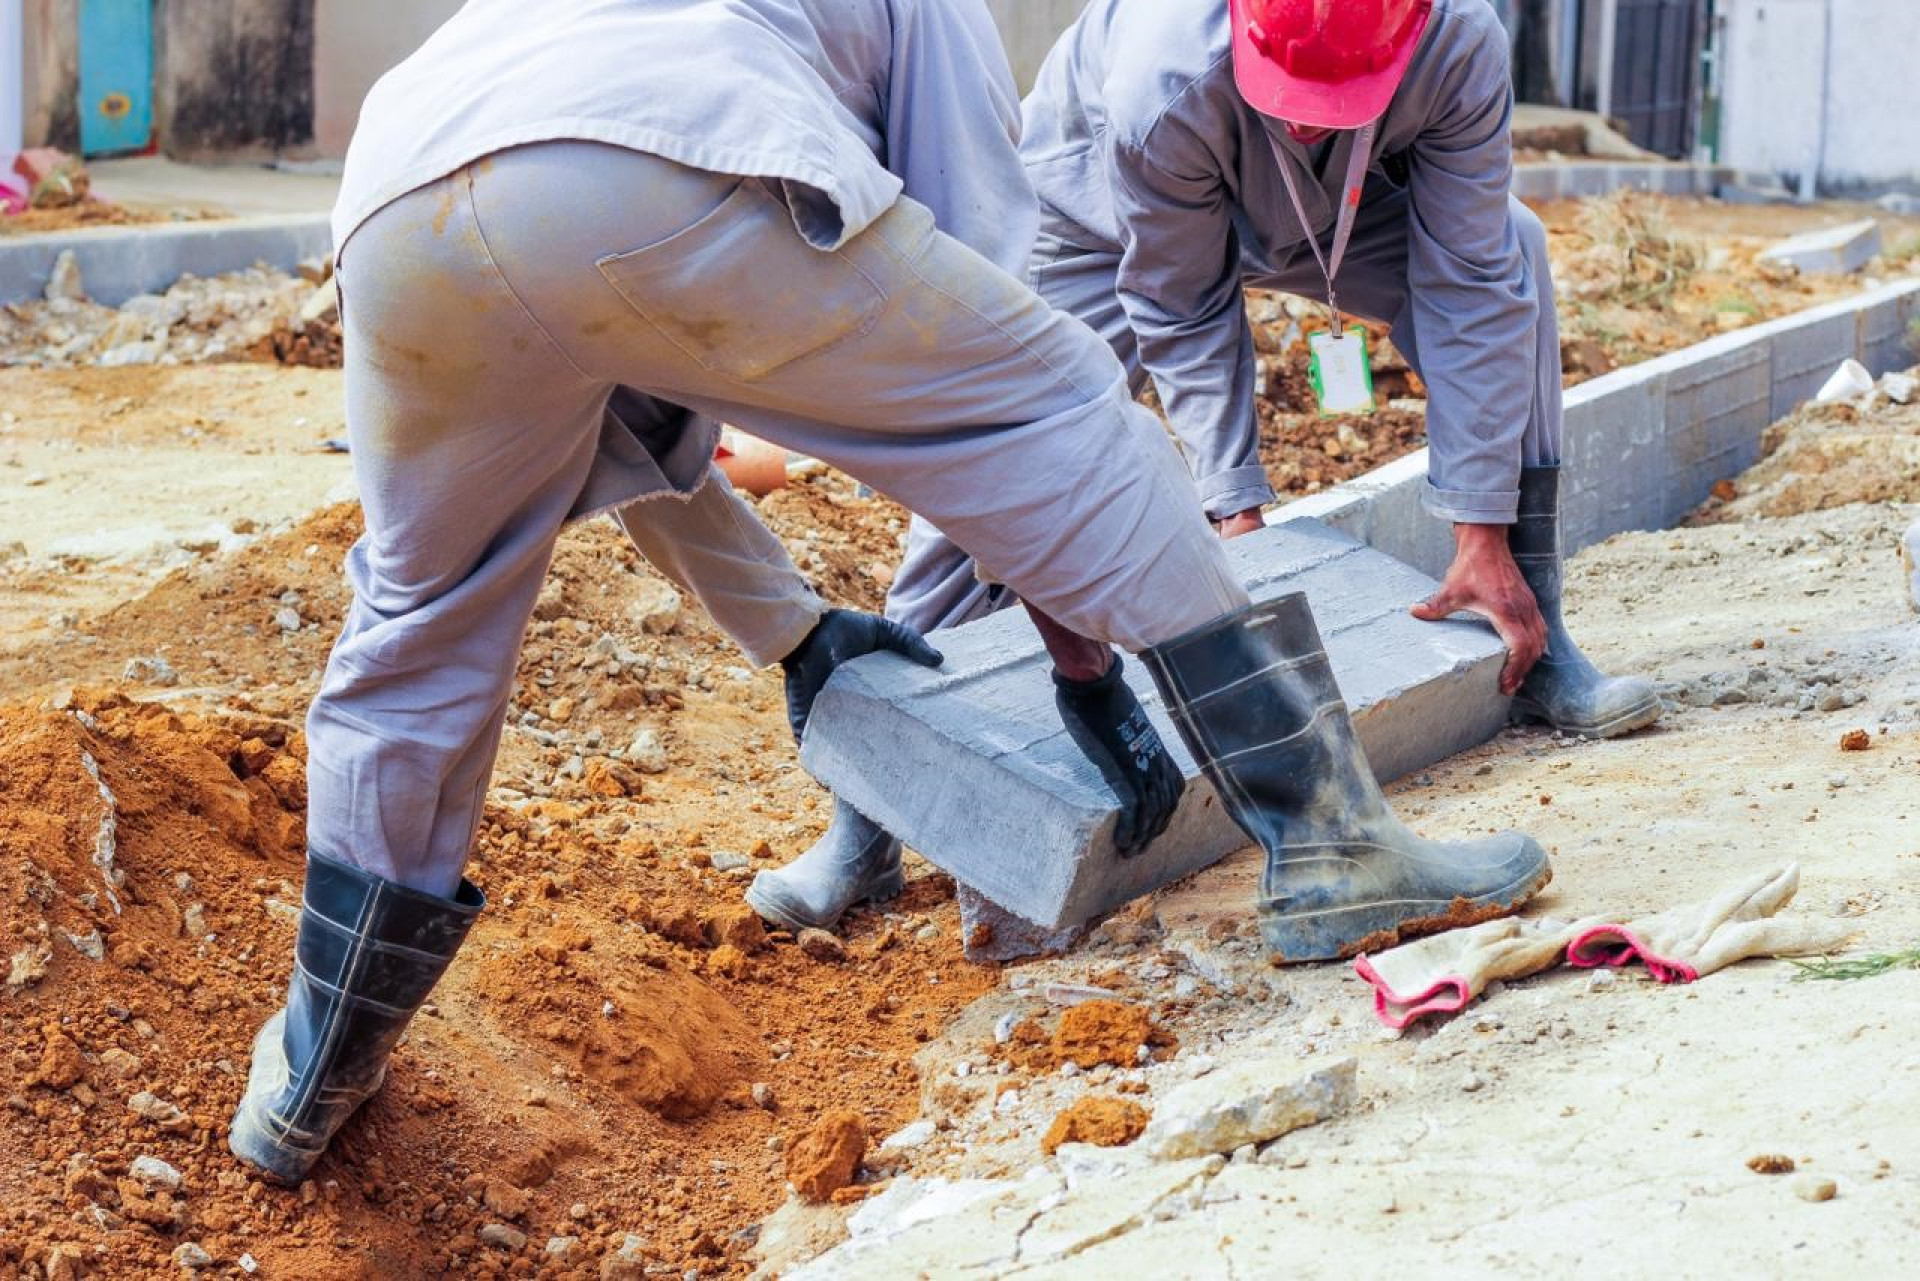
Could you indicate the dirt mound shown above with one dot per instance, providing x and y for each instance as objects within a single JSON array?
[
  {"x": 1828, "y": 456},
  {"x": 616, "y": 1050}
]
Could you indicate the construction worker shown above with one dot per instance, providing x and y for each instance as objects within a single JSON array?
[
  {"x": 1354, "y": 151},
  {"x": 575, "y": 236}
]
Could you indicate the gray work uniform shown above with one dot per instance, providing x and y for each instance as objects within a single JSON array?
[
  {"x": 1161, "y": 198},
  {"x": 575, "y": 236}
]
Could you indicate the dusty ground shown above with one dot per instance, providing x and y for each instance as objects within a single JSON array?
[
  {"x": 1565, "y": 1118},
  {"x": 589, "y": 1069}
]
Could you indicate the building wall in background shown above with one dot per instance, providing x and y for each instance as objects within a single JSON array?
[
  {"x": 1775, "y": 56},
  {"x": 51, "y": 114},
  {"x": 355, "y": 42},
  {"x": 234, "y": 79}
]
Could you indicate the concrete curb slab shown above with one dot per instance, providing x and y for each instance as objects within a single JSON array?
[
  {"x": 116, "y": 263},
  {"x": 970, "y": 765}
]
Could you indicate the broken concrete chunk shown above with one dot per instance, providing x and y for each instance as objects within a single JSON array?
[
  {"x": 1832, "y": 250},
  {"x": 1251, "y": 1103},
  {"x": 154, "y": 1172}
]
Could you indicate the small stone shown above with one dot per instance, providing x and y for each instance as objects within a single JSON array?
[
  {"x": 731, "y": 861},
  {"x": 119, "y": 1062},
  {"x": 562, "y": 1248},
  {"x": 611, "y": 778},
  {"x": 1102, "y": 1122},
  {"x": 1856, "y": 740},
  {"x": 27, "y": 967},
  {"x": 822, "y": 946},
  {"x": 505, "y": 1200},
  {"x": 656, "y": 607},
  {"x": 824, "y": 1159},
  {"x": 1770, "y": 1163},
  {"x": 1600, "y": 980},
  {"x": 89, "y": 945},
  {"x": 646, "y": 753},
  {"x": 1836, "y": 781},
  {"x": 64, "y": 281},
  {"x": 192, "y": 1256},
  {"x": 927, "y": 933},
  {"x": 628, "y": 1263},
  {"x": 150, "y": 670},
  {"x": 154, "y": 1172},
  {"x": 248, "y": 1264},
  {"x": 1472, "y": 1082},
  {"x": 502, "y": 1237},
  {"x": 167, "y": 1116},
  {"x": 1247, "y": 1103},
  {"x": 578, "y": 1211},
  {"x": 1815, "y": 1187},
  {"x": 287, "y": 618},
  {"x": 194, "y": 921},
  {"x": 908, "y": 1138},
  {"x": 1831, "y": 701},
  {"x": 762, "y": 1094}
]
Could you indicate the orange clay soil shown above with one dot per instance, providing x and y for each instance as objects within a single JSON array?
[
  {"x": 589, "y": 1066},
  {"x": 1099, "y": 1120}
]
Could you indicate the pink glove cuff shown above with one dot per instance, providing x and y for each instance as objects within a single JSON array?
[
  {"x": 1616, "y": 945},
  {"x": 1448, "y": 994}
]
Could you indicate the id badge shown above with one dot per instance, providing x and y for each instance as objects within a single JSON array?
[{"x": 1341, "y": 373}]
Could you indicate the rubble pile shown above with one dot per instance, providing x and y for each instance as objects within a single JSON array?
[{"x": 258, "y": 314}]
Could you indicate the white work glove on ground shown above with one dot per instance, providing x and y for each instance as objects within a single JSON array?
[
  {"x": 1683, "y": 943},
  {"x": 1443, "y": 973}
]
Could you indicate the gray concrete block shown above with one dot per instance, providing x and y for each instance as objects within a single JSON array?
[
  {"x": 1719, "y": 398},
  {"x": 1831, "y": 250},
  {"x": 1887, "y": 340},
  {"x": 1614, "y": 457},
  {"x": 970, "y": 766},
  {"x": 1807, "y": 347},
  {"x": 1538, "y": 182},
  {"x": 1397, "y": 519},
  {"x": 118, "y": 262}
]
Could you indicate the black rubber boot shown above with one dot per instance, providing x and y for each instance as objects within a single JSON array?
[
  {"x": 1564, "y": 689},
  {"x": 367, "y": 954},
  {"x": 1255, "y": 700},
  {"x": 854, "y": 861}
]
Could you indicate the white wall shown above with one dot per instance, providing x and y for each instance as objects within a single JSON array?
[
  {"x": 1030, "y": 28},
  {"x": 1771, "y": 117}
]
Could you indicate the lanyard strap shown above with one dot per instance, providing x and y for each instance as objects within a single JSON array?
[{"x": 1343, "y": 223}]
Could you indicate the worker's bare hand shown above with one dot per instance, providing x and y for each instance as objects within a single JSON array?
[
  {"x": 839, "y": 637},
  {"x": 1484, "y": 580},
  {"x": 1241, "y": 523}
]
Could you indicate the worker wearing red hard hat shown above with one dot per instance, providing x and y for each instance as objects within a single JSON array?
[{"x": 1352, "y": 151}]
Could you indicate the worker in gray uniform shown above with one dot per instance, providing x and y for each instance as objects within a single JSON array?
[
  {"x": 1358, "y": 153},
  {"x": 573, "y": 238}
]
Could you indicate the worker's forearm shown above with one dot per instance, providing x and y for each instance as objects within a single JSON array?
[{"x": 1074, "y": 656}]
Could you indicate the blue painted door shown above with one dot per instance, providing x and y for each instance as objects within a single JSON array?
[{"x": 116, "y": 75}]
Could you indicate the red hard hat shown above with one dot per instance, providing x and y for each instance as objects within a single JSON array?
[{"x": 1328, "y": 64}]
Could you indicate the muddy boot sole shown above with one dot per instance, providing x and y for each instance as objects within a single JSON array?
[
  {"x": 1334, "y": 934},
  {"x": 777, "y": 908}
]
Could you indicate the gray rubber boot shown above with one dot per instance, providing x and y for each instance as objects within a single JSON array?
[
  {"x": 367, "y": 954},
  {"x": 1255, "y": 701},
  {"x": 1564, "y": 689},
  {"x": 854, "y": 861}
]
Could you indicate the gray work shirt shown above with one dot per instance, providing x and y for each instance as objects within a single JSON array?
[
  {"x": 1140, "y": 144},
  {"x": 843, "y": 103}
]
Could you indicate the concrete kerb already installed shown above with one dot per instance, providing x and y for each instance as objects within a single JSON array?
[
  {"x": 1572, "y": 179},
  {"x": 117, "y": 263},
  {"x": 1646, "y": 444}
]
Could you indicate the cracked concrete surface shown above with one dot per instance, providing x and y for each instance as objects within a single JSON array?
[{"x": 1570, "y": 1120}]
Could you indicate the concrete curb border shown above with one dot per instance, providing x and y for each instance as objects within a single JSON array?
[
  {"x": 117, "y": 263},
  {"x": 1569, "y": 179},
  {"x": 1645, "y": 444}
]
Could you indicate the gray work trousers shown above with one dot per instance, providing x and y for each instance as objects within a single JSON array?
[
  {"x": 487, "y": 324},
  {"x": 937, "y": 585}
]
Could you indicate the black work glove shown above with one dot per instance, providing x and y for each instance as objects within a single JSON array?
[
  {"x": 839, "y": 637},
  {"x": 1110, "y": 726}
]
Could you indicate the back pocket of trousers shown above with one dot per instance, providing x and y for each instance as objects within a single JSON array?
[{"x": 741, "y": 293}]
